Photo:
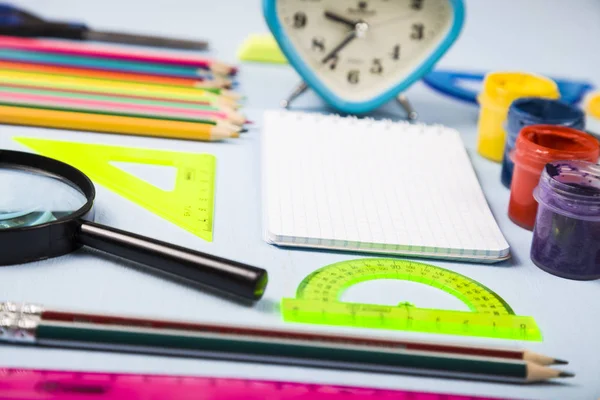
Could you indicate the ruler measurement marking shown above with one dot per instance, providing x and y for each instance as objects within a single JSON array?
[{"x": 318, "y": 296}]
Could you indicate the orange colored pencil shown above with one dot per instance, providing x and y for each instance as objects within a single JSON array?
[
  {"x": 116, "y": 124},
  {"x": 218, "y": 82}
]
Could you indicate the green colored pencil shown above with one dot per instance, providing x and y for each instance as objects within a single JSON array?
[{"x": 118, "y": 105}]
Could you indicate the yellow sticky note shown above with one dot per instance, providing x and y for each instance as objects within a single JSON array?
[{"x": 261, "y": 48}]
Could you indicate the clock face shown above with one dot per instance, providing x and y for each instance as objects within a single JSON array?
[{"x": 360, "y": 49}]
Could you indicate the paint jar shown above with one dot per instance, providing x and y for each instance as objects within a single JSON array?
[
  {"x": 536, "y": 146},
  {"x": 535, "y": 111},
  {"x": 592, "y": 109},
  {"x": 500, "y": 89},
  {"x": 566, "y": 238}
]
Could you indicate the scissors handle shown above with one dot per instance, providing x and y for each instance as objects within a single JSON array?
[{"x": 449, "y": 83}]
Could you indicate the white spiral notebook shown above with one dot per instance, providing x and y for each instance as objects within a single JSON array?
[{"x": 369, "y": 186}]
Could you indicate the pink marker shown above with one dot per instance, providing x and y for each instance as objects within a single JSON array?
[{"x": 61, "y": 385}]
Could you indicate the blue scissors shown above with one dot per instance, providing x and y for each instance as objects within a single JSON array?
[
  {"x": 449, "y": 83},
  {"x": 17, "y": 22}
]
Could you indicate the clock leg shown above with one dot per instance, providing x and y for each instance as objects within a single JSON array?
[
  {"x": 401, "y": 99},
  {"x": 405, "y": 104},
  {"x": 301, "y": 88}
]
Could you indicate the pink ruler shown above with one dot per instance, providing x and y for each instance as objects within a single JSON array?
[{"x": 25, "y": 384}]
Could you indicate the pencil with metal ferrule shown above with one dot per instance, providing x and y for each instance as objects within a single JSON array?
[
  {"x": 107, "y": 108},
  {"x": 113, "y": 124},
  {"x": 183, "y": 108},
  {"x": 112, "y": 87},
  {"x": 216, "y": 82},
  {"x": 282, "y": 335},
  {"x": 29, "y": 329},
  {"x": 78, "y": 49},
  {"x": 102, "y": 64}
]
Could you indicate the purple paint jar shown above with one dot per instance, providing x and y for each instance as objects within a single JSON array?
[{"x": 566, "y": 236}]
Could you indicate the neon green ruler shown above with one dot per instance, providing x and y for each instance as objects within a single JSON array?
[
  {"x": 189, "y": 205},
  {"x": 317, "y": 302}
]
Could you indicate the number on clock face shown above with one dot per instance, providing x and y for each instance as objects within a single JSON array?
[{"x": 395, "y": 37}]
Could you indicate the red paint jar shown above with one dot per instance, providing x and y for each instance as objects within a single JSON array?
[{"x": 536, "y": 146}]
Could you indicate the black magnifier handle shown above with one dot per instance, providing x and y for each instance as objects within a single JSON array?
[{"x": 227, "y": 276}]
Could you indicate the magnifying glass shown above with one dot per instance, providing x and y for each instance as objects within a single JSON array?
[{"x": 46, "y": 210}]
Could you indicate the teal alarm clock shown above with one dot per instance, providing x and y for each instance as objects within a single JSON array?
[{"x": 358, "y": 55}]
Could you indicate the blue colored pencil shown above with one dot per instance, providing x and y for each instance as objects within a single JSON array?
[{"x": 103, "y": 64}]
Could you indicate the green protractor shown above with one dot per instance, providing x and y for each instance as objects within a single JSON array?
[{"x": 318, "y": 302}]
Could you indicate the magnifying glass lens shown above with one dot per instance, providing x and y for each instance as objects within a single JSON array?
[
  {"x": 46, "y": 210},
  {"x": 30, "y": 198}
]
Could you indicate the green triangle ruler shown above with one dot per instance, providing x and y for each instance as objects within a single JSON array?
[
  {"x": 318, "y": 302},
  {"x": 189, "y": 205}
]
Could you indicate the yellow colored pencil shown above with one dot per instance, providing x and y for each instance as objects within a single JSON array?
[
  {"x": 50, "y": 81},
  {"x": 114, "y": 124}
]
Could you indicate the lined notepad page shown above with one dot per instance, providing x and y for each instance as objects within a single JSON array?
[{"x": 374, "y": 186}]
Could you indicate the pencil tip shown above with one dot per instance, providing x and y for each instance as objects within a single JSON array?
[
  {"x": 246, "y": 130},
  {"x": 566, "y": 374},
  {"x": 562, "y": 362}
]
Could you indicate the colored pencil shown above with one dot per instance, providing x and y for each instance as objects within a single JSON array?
[
  {"x": 113, "y": 124},
  {"x": 102, "y": 64},
  {"x": 217, "y": 82},
  {"x": 145, "y": 340},
  {"x": 105, "y": 108},
  {"x": 79, "y": 49},
  {"x": 175, "y": 109},
  {"x": 121, "y": 83},
  {"x": 113, "y": 87},
  {"x": 193, "y": 105},
  {"x": 315, "y": 338}
]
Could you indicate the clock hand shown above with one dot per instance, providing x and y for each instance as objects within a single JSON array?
[
  {"x": 338, "y": 18},
  {"x": 359, "y": 30},
  {"x": 349, "y": 37}
]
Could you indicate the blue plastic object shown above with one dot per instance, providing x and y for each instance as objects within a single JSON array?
[
  {"x": 359, "y": 107},
  {"x": 449, "y": 83}
]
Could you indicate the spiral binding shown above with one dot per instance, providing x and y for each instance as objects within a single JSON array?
[{"x": 369, "y": 122}]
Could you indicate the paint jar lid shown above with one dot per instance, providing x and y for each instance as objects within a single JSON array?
[
  {"x": 540, "y": 111},
  {"x": 571, "y": 188},
  {"x": 504, "y": 87},
  {"x": 592, "y": 105},
  {"x": 538, "y": 145}
]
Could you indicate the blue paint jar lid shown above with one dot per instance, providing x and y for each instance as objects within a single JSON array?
[{"x": 541, "y": 111}]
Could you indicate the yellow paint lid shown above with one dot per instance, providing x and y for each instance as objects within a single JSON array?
[
  {"x": 504, "y": 87},
  {"x": 592, "y": 105}
]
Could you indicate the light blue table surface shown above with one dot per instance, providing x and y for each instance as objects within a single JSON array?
[{"x": 547, "y": 36}]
